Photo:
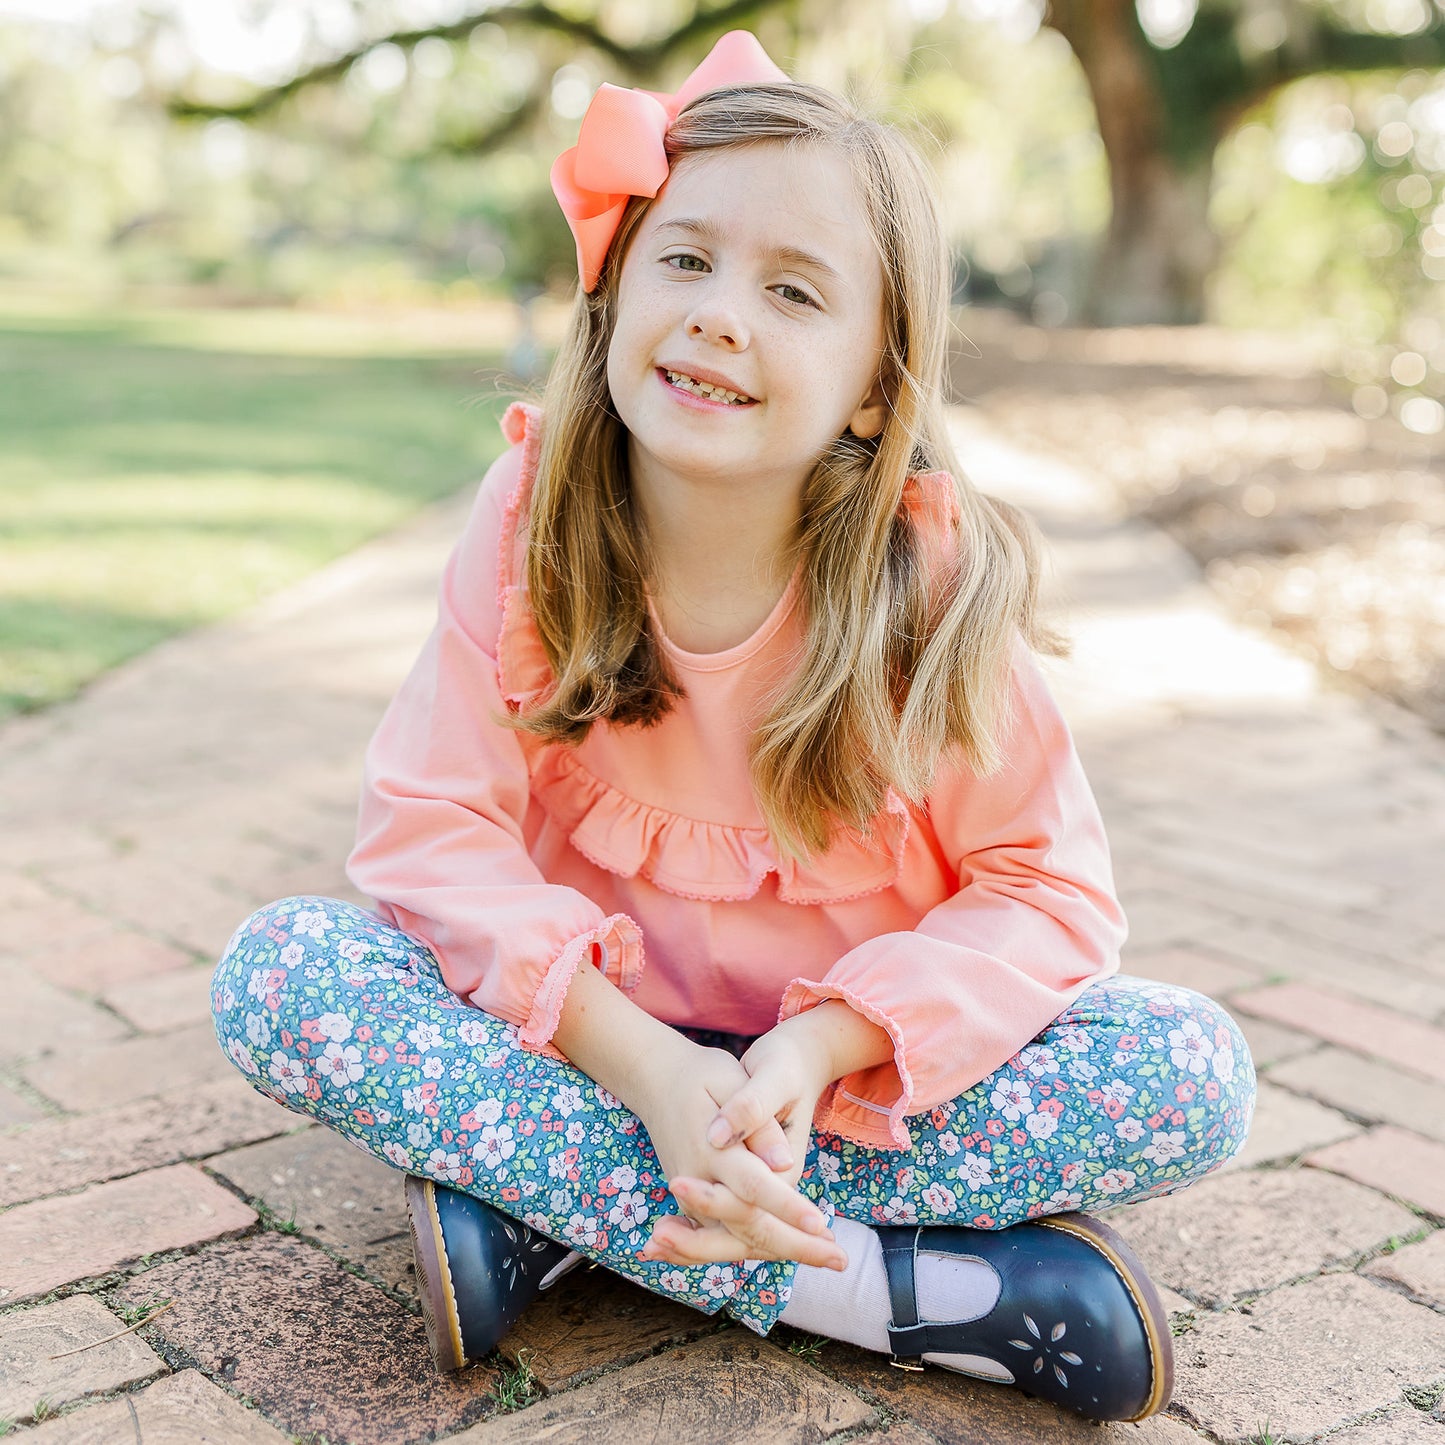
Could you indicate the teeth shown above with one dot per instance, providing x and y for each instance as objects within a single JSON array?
[{"x": 706, "y": 388}]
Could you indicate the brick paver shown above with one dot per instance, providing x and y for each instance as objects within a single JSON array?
[
  {"x": 1277, "y": 844},
  {"x": 1394, "y": 1161},
  {"x": 58, "y": 1241},
  {"x": 53, "y": 1353}
]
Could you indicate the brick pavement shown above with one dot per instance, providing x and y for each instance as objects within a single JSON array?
[{"x": 1278, "y": 844}]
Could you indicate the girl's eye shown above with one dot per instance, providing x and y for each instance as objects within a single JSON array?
[
  {"x": 795, "y": 294},
  {"x": 687, "y": 263}
]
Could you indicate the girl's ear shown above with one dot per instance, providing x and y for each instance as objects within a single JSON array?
[{"x": 872, "y": 413}]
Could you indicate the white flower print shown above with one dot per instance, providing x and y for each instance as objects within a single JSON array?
[
  {"x": 1013, "y": 1099},
  {"x": 1075, "y": 1040},
  {"x": 534, "y": 1219},
  {"x": 472, "y": 1032},
  {"x": 311, "y": 922},
  {"x": 559, "y": 1199},
  {"x": 940, "y": 1198},
  {"x": 622, "y": 1177},
  {"x": 583, "y": 1231},
  {"x": 258, "y": 1030},
  {"x": 336, "y": 1027},
  {"x": 576, "y": 1132},
  {"x": 1041, "y": 1125},
  {"x": 424, "y": 1036},
  {"x": 1116, "y": 1091},
  {"x": 382, "y": 1116},
  {"x": 1115, "y": 1181},
  {"x": 287, "y": 1072},
  {"x": 259, "y": 984},
  {"x": 557, "y": 1165},
  {"x": 1082, "y": 1071},
  {"x": 904, "y": 1180},
  {"x": 720, "y": 1281},
  {"x": 629, "y": 1210},
  {"x": 291, "y": 955},
  {"x": 417, "y": 1135},
  {"x": 975, "y": 1170},
  {"x": 433, "y": 1066},
  {"x": 673, "y": 1279},
  {"x": 567, "y": 1100},
  {"x": 353, "y": 950},
  {"x": 496, "y": 1059},
  {"x": 1063, "y": 1199},
  {"x": 1189, "y": 1049},
  {"x": 242, "y": 1055},
  {"x": 494, "y": 1144},
  {"x": 340, "y": 1064},
  {"x": 1223, "y": 1063},
  {"x": 948, "y": 1142},
  {"x": 397, "y": 1154},
  {"x": 413, "y": 1100},
  {"x": 488, "y": 1111},
  {"x": 607, "y": 1100},
  {"x": 898, "y": 1210},
  {"x": 1165, "y": 1145},
  {"x": 1130, "y": 1130},
  {"x": 828, "y": 1169},
  {"x": 1039, "y": 1059},
  {"x": 441, "y": 1165}
]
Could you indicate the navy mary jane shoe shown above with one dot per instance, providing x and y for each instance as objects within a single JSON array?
[
  {"x": 1077, "y": 1321},
  {"x": 477, "y": 1269}
]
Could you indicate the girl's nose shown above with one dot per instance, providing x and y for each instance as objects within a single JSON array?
[{"x": 716, "y": 320}]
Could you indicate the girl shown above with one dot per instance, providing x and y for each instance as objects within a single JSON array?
[{"x": 732, "y": 662}]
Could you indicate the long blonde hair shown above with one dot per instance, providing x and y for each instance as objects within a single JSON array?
[{"x": 906, "y": 651}]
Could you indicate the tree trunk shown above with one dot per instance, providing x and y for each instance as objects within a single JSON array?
[{"x": 1159, "y": 250}]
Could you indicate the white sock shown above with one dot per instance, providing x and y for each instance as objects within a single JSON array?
[{"x": 853, "y": 1305}]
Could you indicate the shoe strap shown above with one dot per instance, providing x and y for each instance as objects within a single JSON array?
[{"x": 906, "y": 1337}]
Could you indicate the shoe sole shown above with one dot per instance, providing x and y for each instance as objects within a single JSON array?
[
  {"x": 434, "y": 1276},
  {"x": 1141, "y": 1290}
]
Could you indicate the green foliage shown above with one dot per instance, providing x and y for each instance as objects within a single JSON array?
[
  {"x": 134, "y": 1314},
  {"x": 164, "y": 470},
  {"x": 516, "y": 1385}
]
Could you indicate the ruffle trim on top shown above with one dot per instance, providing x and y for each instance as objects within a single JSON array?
[
  {"x": 687, "y": 857},
  {"x": 620, "y": 938}
]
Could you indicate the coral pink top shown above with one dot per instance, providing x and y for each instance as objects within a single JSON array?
[{"x": 962, "y": 926}]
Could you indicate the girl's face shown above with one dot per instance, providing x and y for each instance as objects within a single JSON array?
[{"x": 753, "y": 273}]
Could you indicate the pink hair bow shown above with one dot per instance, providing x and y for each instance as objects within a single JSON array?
[{"x": 619, "y": 152}]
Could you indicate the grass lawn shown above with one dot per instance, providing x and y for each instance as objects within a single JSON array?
[{"x": 160, "y": 469}]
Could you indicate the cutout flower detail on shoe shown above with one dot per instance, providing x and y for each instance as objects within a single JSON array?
[
  {"x": 1043, "y": 1347},
  {"x": 523, "y": 1242}
]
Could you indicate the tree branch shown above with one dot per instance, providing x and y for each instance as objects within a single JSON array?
[{"x": 637, "y": 61}]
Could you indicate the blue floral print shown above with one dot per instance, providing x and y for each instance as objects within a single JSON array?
[{"x": 1137, "y": 1089}]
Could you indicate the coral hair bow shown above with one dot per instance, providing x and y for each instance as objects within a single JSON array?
[{"x": 620, "y": 154}]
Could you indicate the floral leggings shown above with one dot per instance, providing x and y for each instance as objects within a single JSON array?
[{"x": 1137, "y": 1089}]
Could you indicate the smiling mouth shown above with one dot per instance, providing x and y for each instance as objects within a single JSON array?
[{"x": 706, "y": 389}]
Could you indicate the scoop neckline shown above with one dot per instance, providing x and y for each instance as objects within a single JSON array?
[{"x": 741, "y": 651}]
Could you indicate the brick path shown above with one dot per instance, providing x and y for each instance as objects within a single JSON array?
[{"x": 1278, "y": 845}]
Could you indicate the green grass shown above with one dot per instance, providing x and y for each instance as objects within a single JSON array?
[{"x": 161, "y": 469}]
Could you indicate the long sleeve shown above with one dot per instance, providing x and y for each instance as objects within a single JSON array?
[
  {"x": 1033, "y": 921},
  {"x": 440, "y": 842}
]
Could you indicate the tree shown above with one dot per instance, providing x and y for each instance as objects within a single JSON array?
[{"x": 1163, "y": 110}]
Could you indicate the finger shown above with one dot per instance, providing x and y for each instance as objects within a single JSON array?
[
  {"x": 770, "y": 1144},
  {"x": 754, "y": 1184},
  {"x": 714, "y": 1243},
  {"x": 711, "y": 1202},
  {"x": 746, "y": 1112}
]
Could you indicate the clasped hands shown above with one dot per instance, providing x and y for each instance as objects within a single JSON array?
[{"x": 732, "y": 1137}]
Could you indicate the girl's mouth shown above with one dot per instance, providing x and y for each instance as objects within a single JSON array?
[{"x": 705, "y": 390}]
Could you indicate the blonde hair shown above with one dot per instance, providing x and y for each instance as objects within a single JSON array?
[{"x": 906, "y": 651}]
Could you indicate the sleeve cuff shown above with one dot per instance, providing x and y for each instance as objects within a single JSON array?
[
  {"x": 615, "y": 946},
  {"x": 855, "y": 1106}
]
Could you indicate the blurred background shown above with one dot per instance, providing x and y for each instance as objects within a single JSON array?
[{"x": 269, "y": 269}]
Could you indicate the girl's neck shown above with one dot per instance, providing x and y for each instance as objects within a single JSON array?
[{"x": 721, "y": 558}]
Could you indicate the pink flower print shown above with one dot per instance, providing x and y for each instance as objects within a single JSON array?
[
  {"x": 975, "y": 1171},
  {"x": 940, "y": 1199},
  {"x": 287, "y": 1072},
  {"x": 1115, "y": 1181},
  {"x": 1165, "y": 1146},
  {"x": 629, "y": 1210},
  {"x": 720, "y": 1281},
  {"x": 291, "y": 955},
  {"x": 1013, "y": 1099},
  {"x": 340, "y": 1064},
  {"x": 397, "y": 1154},
  {"x": 242, "y": 1056},
  {"x": 494, "y": 1145},
  {"x": 441, "y": 1165},
  {"x": 1189, "y": 1049},
  {"x": 903, "y": 1180}
]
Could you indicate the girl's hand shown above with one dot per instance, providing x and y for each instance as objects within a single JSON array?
[{"x": 743, "y": 1208}]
